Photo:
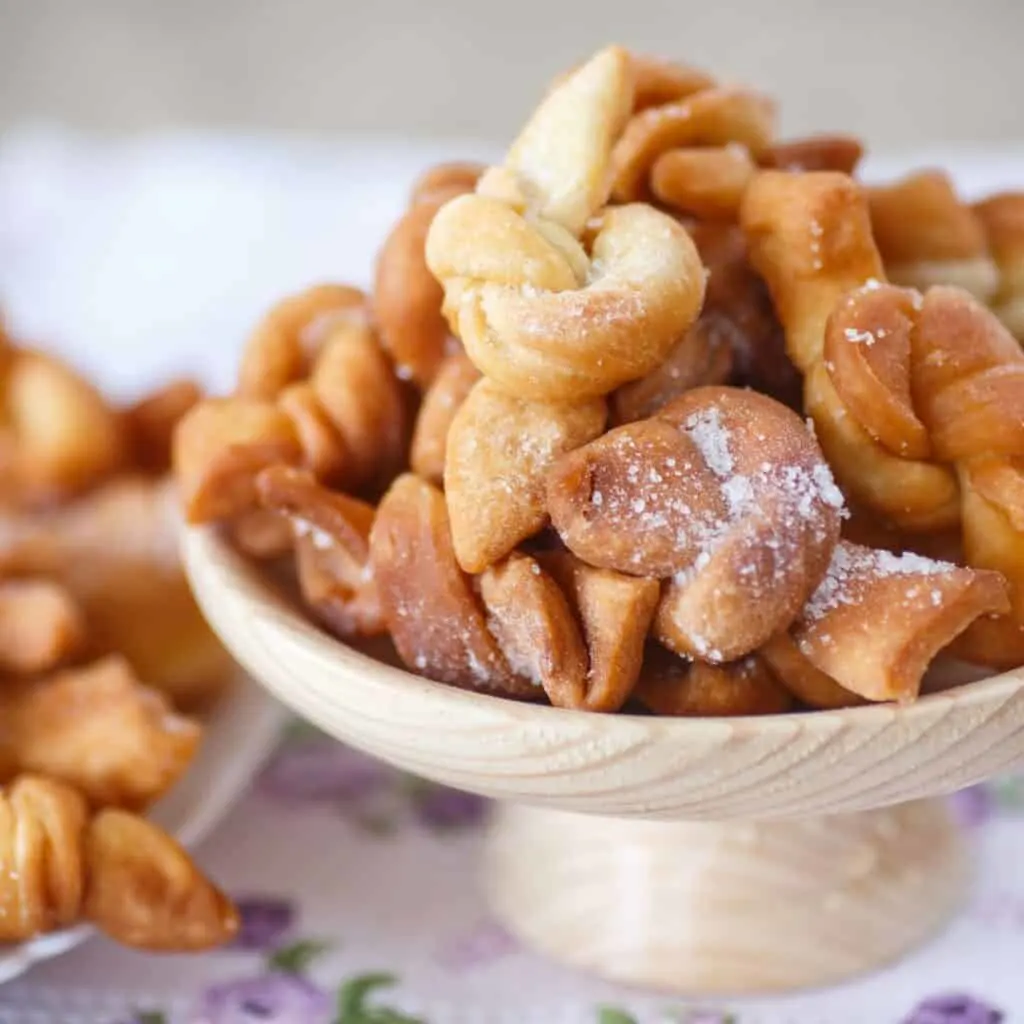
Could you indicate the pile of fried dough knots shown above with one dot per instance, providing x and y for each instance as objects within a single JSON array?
[
  {"x": 662, "y": 414},
  {"x": 105, "y": 664}
]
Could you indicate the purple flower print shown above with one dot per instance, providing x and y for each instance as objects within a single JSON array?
[
  {"x": 954, "y": 1008},
  {"x": 322, "y": 771},
  {"x": 271, "y": 999},
  {"x": 265, "y": 920},
  {"x": 443, "y": 809},
  {"x": 973, "y": 806}
]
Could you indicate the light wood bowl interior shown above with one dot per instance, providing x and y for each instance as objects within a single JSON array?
[{"x": 700, "y": 856}]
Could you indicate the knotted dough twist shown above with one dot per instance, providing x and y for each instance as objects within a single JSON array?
[
  {"x": 552, "y": 299},
  {"x": 916, "y": 399}
]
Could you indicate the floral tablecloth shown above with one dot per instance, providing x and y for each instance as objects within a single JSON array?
[
  {"x": 360, "y": 906},
  {"x": 155, "y": 255}
]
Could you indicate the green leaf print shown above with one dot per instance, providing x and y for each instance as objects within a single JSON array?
[
  {"x": 352, "y": 1008},
  {"x": 296, "y": 958},
  {"x": 611, "y": 1015}
]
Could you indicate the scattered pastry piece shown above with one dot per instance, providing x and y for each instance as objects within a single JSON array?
[
  {"x": 324, "y": 452},
  {"x": 284, "y": 345},
  {"x": 1002, "y": 217},
  {"x": 58, "y": 865},
  {"x": 434, "y": 617},
  {"x": 331, "y": 534},
  {"x": 877, "y": 619},
  {"x": 673, "y": 686},
  {"x": 58, "y": 437},
  {"x": 928, "y": 235},
  {"x": 97, "y": 728},
  {"x": 498, "y": 451},
  {"x": 220, "y": 447},
  {"x": 41, "y": 626},
  {"x": 703, "y": 181}
]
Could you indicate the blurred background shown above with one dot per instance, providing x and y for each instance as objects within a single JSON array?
[
  {"x": 168, "y": 168},
  {"x": 904, "y": 73}
]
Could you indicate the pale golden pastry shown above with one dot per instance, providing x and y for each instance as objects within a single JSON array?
[
  {"x": 614, "y": 612},
  {"x": 877, "y": 619},
  {"x": 498, "y": 451},
  {"x": 324, "y": 452},
  {"x": 713, "y": 117},
  {"x": 359, "y": 394},
  {"x": 284, "y": 345},
  {"x": 432, "y": 612},
  {"x": 1002, "y": 217},
  {"x": 661, "y": 81},
  {"x": 798, "y": 674},
  {"x": 703, "y": 181},
  {"x": 331, "y": 540},
  {"x": 41, "y": 626},
  {"x": 673, "y": 686},
  {"x": 453, "y": 381},
  {"x": 533, "y": 623},
  {"x": 220, "y": 447},
  {"x": 98, "y": 729},
  {"x": 144, "y": 891},
  {"x": 123, "y": 874},
  {"x": 406, "y": 296},
  {"x": 928, "y": 235},
  {"x": 58, "y": 436},
  {"x": 553, "y": 298}
]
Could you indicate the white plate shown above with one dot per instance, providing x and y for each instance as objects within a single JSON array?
[{"x": 240, "y": 734}]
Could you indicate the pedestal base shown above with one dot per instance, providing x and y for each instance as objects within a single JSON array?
[{"x": 726, "y": 908}]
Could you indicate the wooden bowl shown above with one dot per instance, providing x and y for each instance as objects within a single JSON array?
[{"x": 694, "y": 855}]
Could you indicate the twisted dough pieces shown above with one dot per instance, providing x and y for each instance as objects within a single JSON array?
[
  {"x": 406, "y": 296},
  {"x": 723, "y": 494},
  {"x": 543, "y": 316},
  {"x": 59, "y": 864},
  {"x": 927, "y": 235},
  {"x": 878, "y": 619},
  {"x": 1002, "y": 217}
]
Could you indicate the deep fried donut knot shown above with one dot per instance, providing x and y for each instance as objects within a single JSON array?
[
  {"x": 703, "y": 181},
  {"x": 58, "y": 436},
  {"x": 725, "y": 492},
  {"x": 331, "y": 539},
  {"x": 406, "y": 296},
  {"x": 41, "y": 625},
  {"x": 1002, "y": 217},
  {"x": 120, "y": 872},
  {"x": 540, "y": 314},
  {"x": 284, "y": 345},
  {"x": 713, "y": 117},
  {"x": 498, "y": 452},
  {"x": 434, "y": 616},
  {"x": 97, "y": 728},
  {"x": 927, "y": 235},
  {"x": 878, "y": 619}
]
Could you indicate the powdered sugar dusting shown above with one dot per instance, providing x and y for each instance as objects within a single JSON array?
[
  {"x": 851, "y": 565},
  {"x": 708, "y": 433}
]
